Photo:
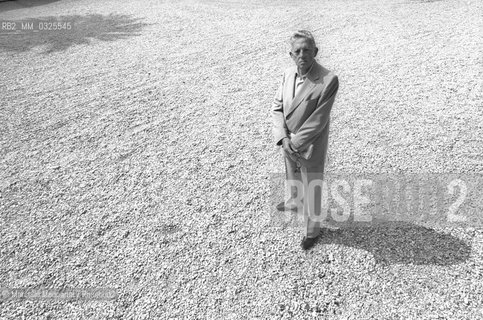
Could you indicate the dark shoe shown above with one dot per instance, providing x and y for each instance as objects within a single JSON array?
[
  {"x": 281, "y": 207},
  {"x": 308, "y": 243}
]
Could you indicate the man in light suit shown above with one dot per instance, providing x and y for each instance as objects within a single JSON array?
[{"x": 301, "y": 116}]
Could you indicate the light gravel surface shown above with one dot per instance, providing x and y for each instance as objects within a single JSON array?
[{"x": 136, "y": 154}]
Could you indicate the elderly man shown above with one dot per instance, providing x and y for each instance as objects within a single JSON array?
[{"x": 301, "y": 116}]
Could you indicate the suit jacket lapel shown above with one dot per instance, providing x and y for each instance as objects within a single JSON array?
[
  {"x": 304, "y": 90},
  {"x": 289, "y": 89},
  {"x": 307, "y": 86}
]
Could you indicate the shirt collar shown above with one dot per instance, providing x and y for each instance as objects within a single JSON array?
[{"x": 304, "y": 76}]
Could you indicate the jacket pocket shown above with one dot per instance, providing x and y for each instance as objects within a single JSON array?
[
  {"x": 310, "y": 105},
  {"x": 313, "y": 100}
]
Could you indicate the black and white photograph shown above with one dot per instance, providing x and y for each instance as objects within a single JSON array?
[{"x": 227, "y": 159}]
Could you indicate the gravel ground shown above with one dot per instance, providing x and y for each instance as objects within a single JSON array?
[{"x": 136, "y": 154}]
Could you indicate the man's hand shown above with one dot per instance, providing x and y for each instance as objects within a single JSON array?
[{"x": 289, "y": 148}]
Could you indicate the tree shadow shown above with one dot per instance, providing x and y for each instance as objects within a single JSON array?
[
  {"x": 7, "y": 5},
  {"x": 82, "y": 30},
  {"x": 400, "y": 243}
]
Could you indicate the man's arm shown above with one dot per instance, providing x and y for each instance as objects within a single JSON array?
[
  {"x": 277, "y": 115},
  {"x": 317, "y": 121}
]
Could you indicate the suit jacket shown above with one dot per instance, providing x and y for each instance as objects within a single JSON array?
[{"x": 307, "y": 114}]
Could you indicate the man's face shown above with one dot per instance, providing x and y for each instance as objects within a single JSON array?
[{"x": 303, "y": 54}]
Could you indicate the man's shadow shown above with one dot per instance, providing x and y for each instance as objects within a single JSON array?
[
  {"x": 74, "y": 30},
  {"x": 390, "y": 242},
  {"x": 400, "y": 243}
]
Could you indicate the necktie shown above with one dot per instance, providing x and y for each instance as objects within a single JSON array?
[{"x": 298, "y": 84}]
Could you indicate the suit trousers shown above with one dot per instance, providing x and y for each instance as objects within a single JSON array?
[{"x": 305, "y": 194}]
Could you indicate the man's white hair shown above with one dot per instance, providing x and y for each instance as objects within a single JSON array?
[{"x": 305, "y": 34}]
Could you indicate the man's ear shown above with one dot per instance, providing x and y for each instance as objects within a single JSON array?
[{"x": 316, "y": 50}]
